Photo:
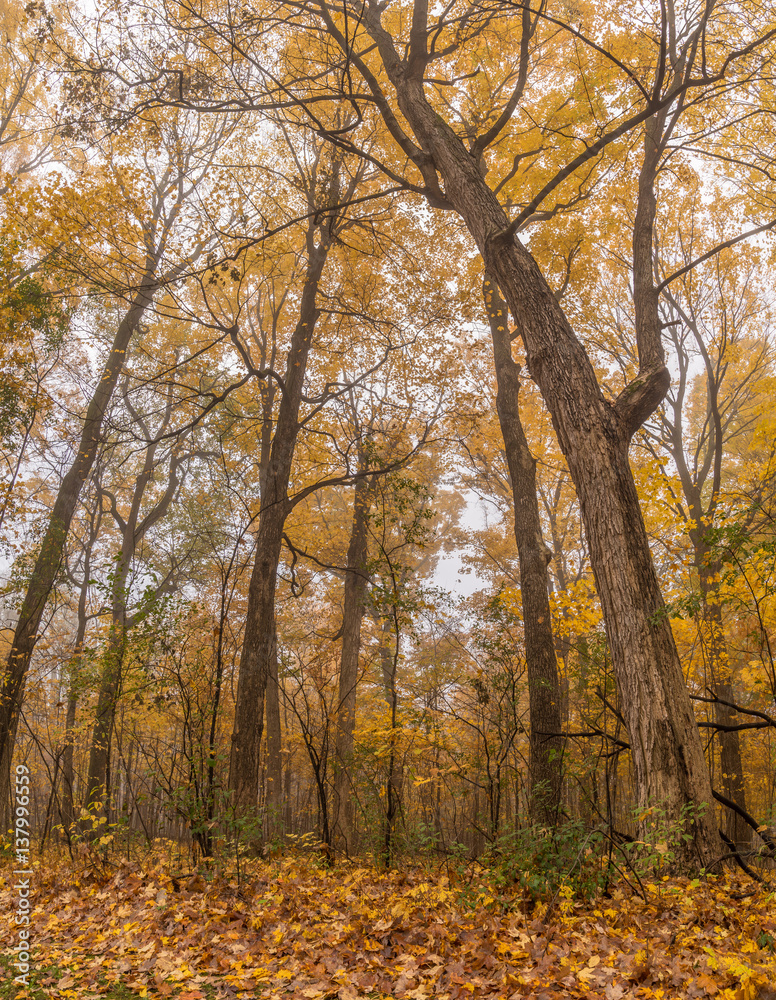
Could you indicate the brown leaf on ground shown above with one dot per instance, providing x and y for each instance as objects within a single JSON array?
[{"x": 353, "y": 931}]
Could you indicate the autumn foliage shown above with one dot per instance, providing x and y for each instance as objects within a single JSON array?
[
  {"x": 292, "y": 928},
  {"x": 387, "y": 525}
]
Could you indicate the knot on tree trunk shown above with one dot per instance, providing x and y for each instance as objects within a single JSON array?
[{"x": 641, "y": 397}]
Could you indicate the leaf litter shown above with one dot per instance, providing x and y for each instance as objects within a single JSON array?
[{"x": 294, "y": 929}]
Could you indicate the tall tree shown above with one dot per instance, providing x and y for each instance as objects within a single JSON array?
[
  {"x": 546, "y": 745},
  {"x": 134, "y": 246},
  {"x": 340, "y": 225},
  {"x": 324, "y": 183},
  {"x": 442, "y": 152},
  {"x": 715, "y": 323},
  {"x": 134, "y": 517},
  {"x": 594, "y": 433},
  {"x": 722, "y": 329},
  {"x": 353, "y": 609}
]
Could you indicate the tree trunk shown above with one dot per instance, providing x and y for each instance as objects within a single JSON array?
[
  {"x": 66, "y": 805},
  {"x": 274, "y": 748},
  {"x": 97, "y": 790},
  {"x": 288, "y": 813},
  {"x": 133, "y": 530},
  {"x": 352, "y": 615},
  {"x": 389, "y": 661},
  {"x": 701, "y": 486},
  {"x": 731, "y": 766},
  {"x": 594, "y": 435},
  {"x": 546, "y": 750},
  {"x": 67, "y": 802},
  {"x": 50, "y": 556},
  {"x": 244, "y": 772}
]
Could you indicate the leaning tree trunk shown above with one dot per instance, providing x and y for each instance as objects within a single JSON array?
[
  {"x": 258, "y": 641},
  {"x": 546, "y": 745},
  {"x": 50, "y": 556},
  {"x": 352, "y": 615},
  {"x": 594, "y": 435}
]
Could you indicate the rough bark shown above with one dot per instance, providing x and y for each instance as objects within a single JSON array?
[
  {"x": 546, "y": 750},
  {"x": 352, "y": 615},
  {"x": 49, "y": 560},
  {"x": 594, "y": 435},
  {"x": 258, "y": 641}
]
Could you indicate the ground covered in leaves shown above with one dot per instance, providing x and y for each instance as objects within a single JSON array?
[{"x": 291, "y": 928}]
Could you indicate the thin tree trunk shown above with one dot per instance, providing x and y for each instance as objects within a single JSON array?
[
  {"x": 352, "y": 616},
  {"x": 701, "y": 492},
  {"x": 546, "y": 750},
  {"x": 67, "y": 807},
  {"x": 210, "y": 779},
  {"x": 258, "y": 641},
  {"x": 49, "y": 559},
  {"x": 731, "y": 766},
  {"x": 389, "y": 661},
  {"x": 274, "y": 748},
  {"x": 133, "y": 530},
  {"x": 66, "y": 802},
  {"x": 288, "y": 814},
  {"x": 97, "y": 782}
]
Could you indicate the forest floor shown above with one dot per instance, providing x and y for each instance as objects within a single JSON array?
[{"x": 291, "y": 928}]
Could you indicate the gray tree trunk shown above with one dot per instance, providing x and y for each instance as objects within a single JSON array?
[
  {"x": 353, "y": 612},
  {"x": 274, "y": 748},
  {"x": 546, "y": 747},
  {"x": 97, "y": 787},
  {"x": 701, "y": 483},
  {"x": 258, "y": 641},
  {"x": 133, "y": 531},
  {"x": 67, "y": 802}
]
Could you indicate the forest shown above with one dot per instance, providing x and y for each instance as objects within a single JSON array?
[{"x": 386, "y": 400}]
